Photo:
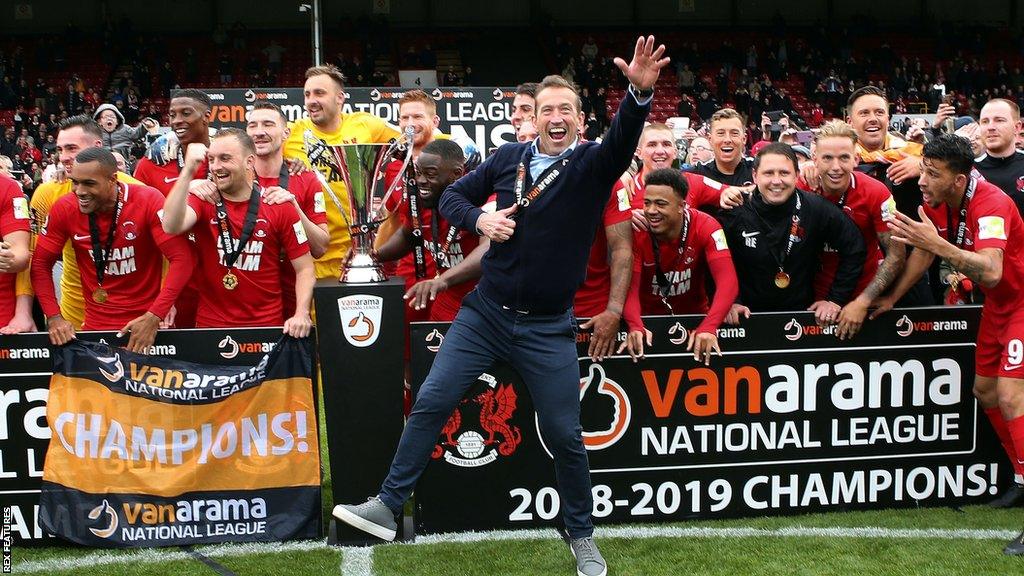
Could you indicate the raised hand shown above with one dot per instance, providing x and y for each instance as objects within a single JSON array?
[{"x": 643, "y": 71}]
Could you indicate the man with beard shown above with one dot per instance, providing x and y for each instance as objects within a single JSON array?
[
  {"x": 324, "y": 94},
  {"x": 268, "y": 129},
  {"x": 869, "y": 204},
  {"x": 452, "y": 256},
  {"x": 978, "y": 229},
  {"x": 418, "y": 111},
  {"x": 115, "y": 231},
  {"x": 728, "y": 137},
  {"x": 777, "y": 237},
  {"x": 671, "y": 260},
  {"x": 240, "y": 278},
  {"x": 1002, "y": 164},
  {"x": 555, "y": 188},
  {"x": 76, "y": 134}
]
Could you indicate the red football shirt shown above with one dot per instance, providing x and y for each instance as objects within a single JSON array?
[
  {"x": 134, "y": 267},
  {"x": 257, "y": 299},
  {"x": 308, "y": 193},
  {"x": 592, "y": 296},
  {"x": 310, "y": 196},
  {"x": 993, "y": 221},
  {"x": 14, "y": 217},
  {"x": 705, "y": 242},
  {"x": 447, "y": 304},
  {"x": 868, "y": 203},
  {"x": 163, "y": 176}
]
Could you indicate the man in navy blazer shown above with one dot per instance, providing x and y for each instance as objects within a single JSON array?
[{"x": 551, "y": 193}]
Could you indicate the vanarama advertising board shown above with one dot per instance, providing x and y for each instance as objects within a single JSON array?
[
  {"x": 148, "y": 451},
  {"x": 790, "y": 420},
  {"x": 482, "y": 115}
]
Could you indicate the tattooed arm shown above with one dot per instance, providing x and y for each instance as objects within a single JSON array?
[
  {"x": 984, "y": 266},
  {"x": 851, "y": 318}
]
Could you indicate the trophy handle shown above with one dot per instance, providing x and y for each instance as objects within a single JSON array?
[{"x": 405, "y": 141}]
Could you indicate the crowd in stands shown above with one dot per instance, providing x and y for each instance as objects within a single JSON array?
[{"x": 806, "y": 75}]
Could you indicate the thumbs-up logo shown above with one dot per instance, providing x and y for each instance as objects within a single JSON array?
[{"x": 360, "y": 318}]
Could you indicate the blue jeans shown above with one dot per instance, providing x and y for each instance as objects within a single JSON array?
[{"x": 542, "y": 349}]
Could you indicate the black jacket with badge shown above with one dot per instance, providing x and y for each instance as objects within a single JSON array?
[
  {"x": 540, "y": 268},
  {"x": 758, "y": 234}
]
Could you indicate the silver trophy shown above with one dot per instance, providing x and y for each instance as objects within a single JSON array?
[{"x": 362, "y": 168}]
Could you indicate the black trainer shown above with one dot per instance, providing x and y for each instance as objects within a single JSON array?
[
  {"x": 1012, "y": 498},
  {"x": 1016, "y": 546}
]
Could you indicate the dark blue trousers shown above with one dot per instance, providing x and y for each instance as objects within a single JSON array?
[{"x": 542, "y": 348}]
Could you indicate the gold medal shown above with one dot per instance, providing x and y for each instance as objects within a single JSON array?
[
  {"x": 230, "y": 281},
  {"x": 782, "y": 280},
  {"x": 99, "y": 295}
]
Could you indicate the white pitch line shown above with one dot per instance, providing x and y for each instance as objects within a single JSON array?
[
  {"x": 646, "y": 532},
  {"x": 359, "y": 561},
  {"x": 155, "y": 555}
]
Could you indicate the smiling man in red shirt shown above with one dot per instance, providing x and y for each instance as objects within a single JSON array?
[
  {"x": 240, "y": 239},
  {"x": 115, "y": 231},
  {"x": 869, "y": 204},
  {"x": 671, "y": 261}
]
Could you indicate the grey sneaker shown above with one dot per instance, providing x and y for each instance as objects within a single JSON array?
[
  {"x": 371, "y": 516},
  {"x": 588, "y": 558}
]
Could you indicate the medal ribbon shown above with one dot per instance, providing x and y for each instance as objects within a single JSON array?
[
  {"x": 412, "y": 195},
  {"x": 282, "y": 178},
  {"x": 440, "y": 252},
  {"x": 544, "y": 180},
  {"x": 225, "y": 237},
  {"x": 961, "y": 228},
  {"x": 780, "y": 259},
  {"x": 100, "y": 255}
]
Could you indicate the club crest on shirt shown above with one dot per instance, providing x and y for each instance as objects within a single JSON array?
[{"x": 129, "y": 230}]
